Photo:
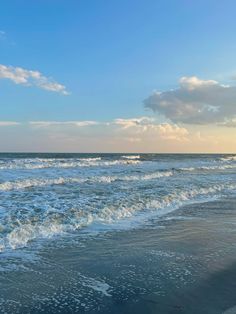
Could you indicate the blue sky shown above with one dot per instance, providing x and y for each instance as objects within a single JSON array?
[{"x": 110, "y": 56}]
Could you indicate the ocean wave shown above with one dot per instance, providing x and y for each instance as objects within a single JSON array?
[
  {"x": 187, "y": 169},
  {"x": 146, "y": 177},
  {"x": 40, "y": 182},
  {"x": 64, "y": 163},
  {"x": 91, "y": 159},
  {"x": 229, "y": 158},
  {"x": 72, "y": 220},
  {"x": 27, "y": 183},
  {"x": 223, "y": 167},
  {"x": 131, "y": 156},
  {"x": 218, "y": 167}
]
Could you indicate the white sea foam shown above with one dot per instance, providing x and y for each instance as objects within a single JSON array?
[
  {"x": 40, "y": 182},
  {"x": 223, "y": 167},
  {"x": 229, "y": 158},
  {"x": 218, "y": 167},
  {"x": 27, "y": 183},
  {"x": 48, "y": 227},
  {"x": 97, "y": 285},
  {"x": 150, "y": 176},
  {"x": 131, "y": 156},
  {"x": 91, "y": 159},
  {"x": 187, "y": 169},
  {"x": 37, "y": 163}
]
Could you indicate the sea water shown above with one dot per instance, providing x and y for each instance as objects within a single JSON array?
[{"x": 55, "y": 204}]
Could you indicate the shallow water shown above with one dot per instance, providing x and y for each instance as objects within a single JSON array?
[{"x": 111, "y": 232}]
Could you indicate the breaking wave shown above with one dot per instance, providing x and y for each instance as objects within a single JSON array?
[
  {"x": 131, "y": 156},
  {"x": 98, "y": 191},
  {"x": 229, "y": 158},
  {"x": 219, "y": 167},
  {"x": 64, "y": 163},
  {"x": 72, "y": 220},
  {"x": 40, "y": 182}
]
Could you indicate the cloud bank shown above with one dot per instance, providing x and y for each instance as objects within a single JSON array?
[
  {"x": 141, "y": 134},
  {"x": 195, "y": 101},
  {"x": 145, "y": 128},
  {"x": 31, "y": 78},
  {"x": 134, "y": 129}
]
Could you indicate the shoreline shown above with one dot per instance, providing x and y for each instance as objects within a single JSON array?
[{"x": 167, "y": 267}]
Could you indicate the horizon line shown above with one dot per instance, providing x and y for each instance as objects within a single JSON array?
[{"x": 119, "y": 153}]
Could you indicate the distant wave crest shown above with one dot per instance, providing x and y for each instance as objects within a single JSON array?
[
  {"x": 40, "y": 182},
  {"x": 131, "y": 156},
  {"x": 36, "y": 163}
]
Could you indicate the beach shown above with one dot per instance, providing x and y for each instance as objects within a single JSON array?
[
  {"x": 117, "y": 157},
  {"x": 179, "y": 258}
]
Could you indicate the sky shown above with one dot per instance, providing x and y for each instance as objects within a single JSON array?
[{"x": 118, "y": 76}]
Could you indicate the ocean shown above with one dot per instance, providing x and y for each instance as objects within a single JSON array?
[{"x": 117, "y": 233}]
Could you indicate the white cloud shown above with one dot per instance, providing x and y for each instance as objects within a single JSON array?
[
  {"x": 8, "y": 123},
  {"x": 173, "y": 132},
  {"x": 195, "y": 101},
  {"x": 127, "y": 123},
  {"x": 142, "y": 134},
  {"x": 134, "y": 129},
  {"x": 193, "y": 82},
  {"x": 30, "y": 78},
  {"x": 146, "y": 128},
  {"x": 62, "y": 123}
]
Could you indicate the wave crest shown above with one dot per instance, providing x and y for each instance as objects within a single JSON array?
[
  {"x": 72, "y": 220},
  {"x": 40, "y": 182}
]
